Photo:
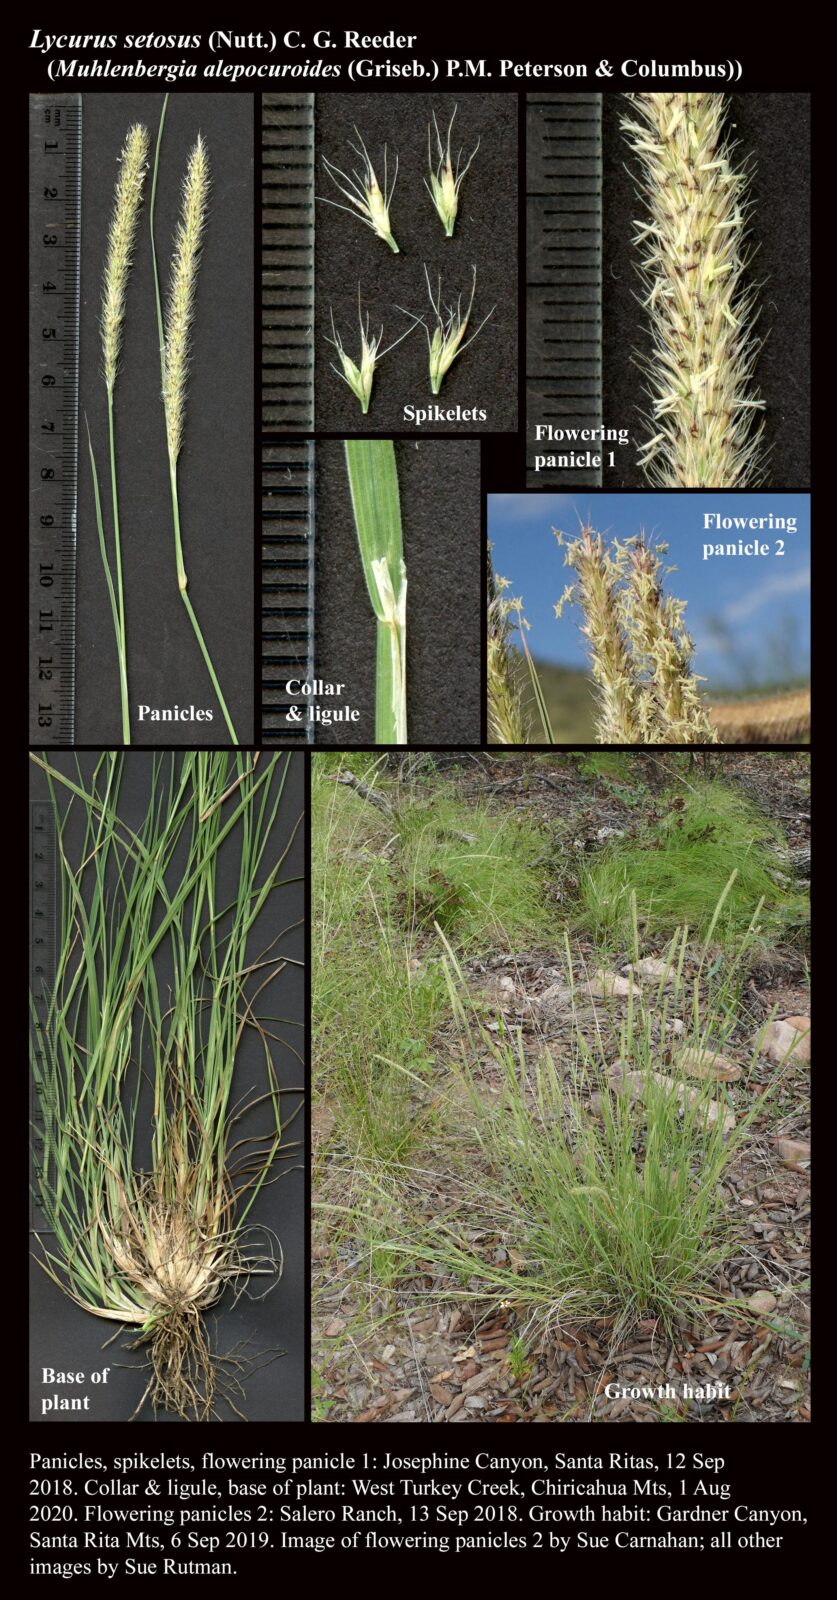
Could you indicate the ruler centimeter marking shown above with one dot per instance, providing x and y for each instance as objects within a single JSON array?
[
  {"x": 55, "y": 127},
  {"x": 288, "y": 263},
  {"x": 42, "y": 956},
  {"x": 287, "y": 588},
  {"x": 563, "y": 274},
  {"x": 287, "y": 563}
]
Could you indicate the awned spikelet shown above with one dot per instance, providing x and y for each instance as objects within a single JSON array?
[
  {"x": 181, "y": 302},
  {"x": 445, "y": 180},
  {"x": 370, "y": 201},
  {"x": 360, "y": 375},
  {"x": 447, "y": 341},
  {"x": 692, "y": 240},
  {"x": 127, "y": 199}
]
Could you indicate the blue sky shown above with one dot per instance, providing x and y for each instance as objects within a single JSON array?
[{"x": 749, "y": 616}]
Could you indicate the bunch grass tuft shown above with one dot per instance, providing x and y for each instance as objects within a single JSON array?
[{"x": 146, "y": 1170}]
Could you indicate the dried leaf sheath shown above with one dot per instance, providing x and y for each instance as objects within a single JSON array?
[{"x": 693, "y": 263}]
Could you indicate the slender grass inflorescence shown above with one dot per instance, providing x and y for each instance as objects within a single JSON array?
[
  {"x": 180, "y": 311},
  {"x": 175, "y": 333},
  {"x": 640, "y": 652},
  {"x": 445, "y": 180},
  {"x": 597, "y": 591},
  {"x": 367, "y": 199},
  {"x": 662, "y": 648},
  {"x": 507, "y": 720},
  {"x": 127, "y": 201},
  {"x": 694, "y": 260},
  {"x": 147, "y": 1171},
  {"x": 373, "y": 482},
  {"x": 360, "y": 377},
  {"x": 445, "y": 342}
]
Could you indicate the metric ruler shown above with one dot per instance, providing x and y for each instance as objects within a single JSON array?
[
  {"x": 563, "y": 277},
  {"x": 42, "y": 954},
  {"x": 287, "y": 588},
  {"x": 287, "y": 408},
  {"x": 54, "y": 266},
  {"x": 288, "y": 263}
]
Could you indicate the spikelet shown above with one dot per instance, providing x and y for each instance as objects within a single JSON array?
[
  {"x": 127, "y": 200},
  {"x": 704, "y": 431},
  {"x": 445, "y": 180},
  {"x": 181, "y": 302},
  {"x": 371, "y": 203},
  {"x": 445, "y": 344}
]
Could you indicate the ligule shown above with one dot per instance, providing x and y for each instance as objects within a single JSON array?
[{"x": 373, "y": 484}]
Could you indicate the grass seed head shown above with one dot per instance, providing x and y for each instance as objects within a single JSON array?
[
  {"x": 366, "y": 197},
  {"x": 445, "y": 180},
  {"x": 127, "y": 199},
  {"x": 694, "y": 258},
  {"x": 181, "y": 302}
]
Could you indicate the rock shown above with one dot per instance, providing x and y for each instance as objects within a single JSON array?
[
  {"x": 707, "y": 1063},
  {"x": 555, "y": 996},
  {"x": 762, "y": 1302},
  {"x": 678, "y": 1027},
  {"x": 608, "y": 985},
  {"x": 784, "y": 1041},
  {"x": 624, "y": 1081},
  {"x": 793, "y": 1152},
  {"x": 653, "y": 970},
  {"x": 609, "y": 833}
]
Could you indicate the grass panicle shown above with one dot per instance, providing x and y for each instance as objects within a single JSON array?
[
  {"x": 127, "y": 202},
  {"x": 367, "y": 199},
  {"x": 445, "y": 179},
  {"x": 692, "y": 238},
  {"x": 180, "y": 308},
  {"x": 150, "y": 1153},
  {"x": 175, "y": 334},
  {"x": 596, "y": 589},
  {"x": 640, "y": 652},
  {"x": 507, "y": 719},
  {"x": 373, "y": 484}
]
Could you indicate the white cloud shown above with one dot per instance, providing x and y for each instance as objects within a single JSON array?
[{"x": 774, "y": 587}]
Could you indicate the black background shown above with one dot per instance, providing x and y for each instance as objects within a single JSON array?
[
  {"x": 215, "y": 467},
  {"x": 63, "y": 1336}
]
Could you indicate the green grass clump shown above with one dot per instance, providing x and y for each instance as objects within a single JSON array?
[
  {"x": 482, "y": 892},
  {"x": 679, "y": 870},
  {"x": 378, "y": 990},
  {"x": 612, "y": 1207}
]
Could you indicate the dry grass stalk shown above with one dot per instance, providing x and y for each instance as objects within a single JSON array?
[
  {"x": 773, "y": 719},
  {"x": 694, "y": 259}
]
